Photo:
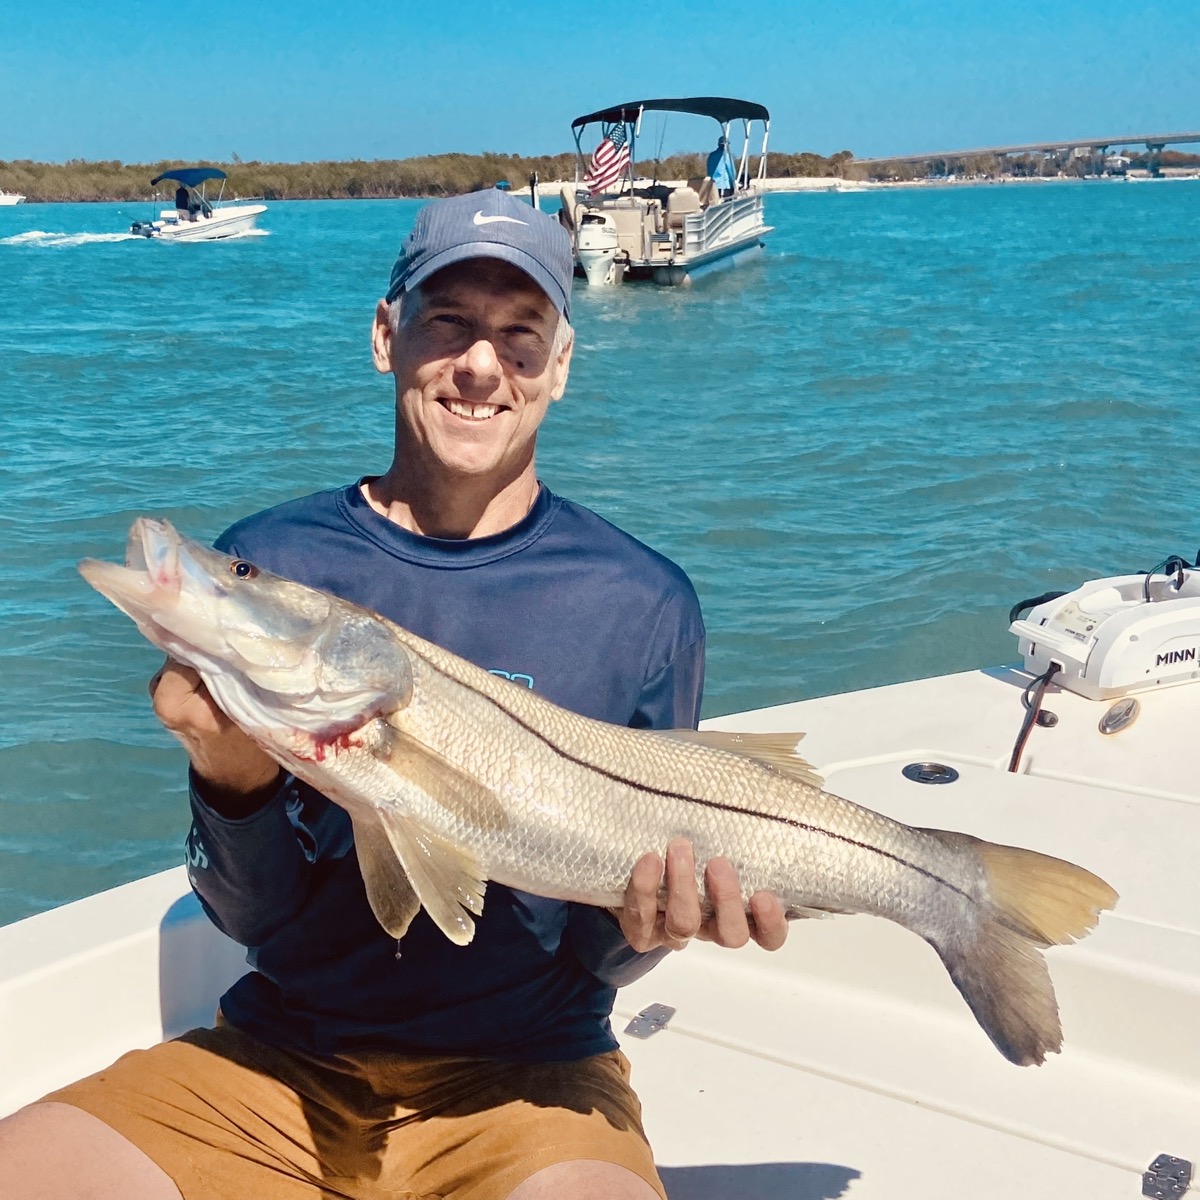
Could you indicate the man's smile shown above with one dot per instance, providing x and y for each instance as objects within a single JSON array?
[{"x": 470, "y": 409}]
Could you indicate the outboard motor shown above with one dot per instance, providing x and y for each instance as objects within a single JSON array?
[{"x": 596, "y": 245}]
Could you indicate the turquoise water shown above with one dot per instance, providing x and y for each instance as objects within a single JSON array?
[{"x": 915, "y": 409}]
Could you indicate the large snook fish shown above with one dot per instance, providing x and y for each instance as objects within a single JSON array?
[{"x": 453, "y": 776}]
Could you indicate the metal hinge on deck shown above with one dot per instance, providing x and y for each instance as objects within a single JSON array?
[
  {"x": 1166, "y": 1177},
  {"x": 650, "y": 1020}
]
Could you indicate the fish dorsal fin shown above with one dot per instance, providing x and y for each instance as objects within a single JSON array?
[
  {"x": 447, "y": 881},
  {"x": 774, "y": 750},
  {"x": 389, "y": 890}
]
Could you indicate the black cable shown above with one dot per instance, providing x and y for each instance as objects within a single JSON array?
[
  {"x": 1173, "y": 562},
  {"x": 1031, "y": 698},
  {"x": 1033, "y": 602}
]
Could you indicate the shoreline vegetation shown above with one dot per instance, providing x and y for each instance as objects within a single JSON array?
[
  {"x": 451, "y": 174},
  {"x": 429, "y": 175}
]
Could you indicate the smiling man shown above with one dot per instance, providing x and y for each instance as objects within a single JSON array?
[{"x": 343, "y": 1064}]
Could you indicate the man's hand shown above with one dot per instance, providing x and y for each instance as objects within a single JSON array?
[
  {"x": 224, "y": 757},
  {"x": 645, "y": 928}
]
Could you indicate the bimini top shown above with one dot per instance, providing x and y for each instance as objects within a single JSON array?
[
  {"x": 189, "y": 176},
  {"x": 720, "y": 108}
]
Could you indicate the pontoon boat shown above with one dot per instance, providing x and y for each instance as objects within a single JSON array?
[
  {"x": 195, "y": 218},
  {"x": 624, "y": 227},
  {"x": 845, "y": 1064}
]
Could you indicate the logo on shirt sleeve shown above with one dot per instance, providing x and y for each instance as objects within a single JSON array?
[{"x": 194, "y": 853}]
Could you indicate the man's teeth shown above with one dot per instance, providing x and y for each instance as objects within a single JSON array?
[{"x": 476, "y": 412}]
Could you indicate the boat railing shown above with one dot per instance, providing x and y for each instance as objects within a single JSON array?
[{"x": 704, "y": 229}]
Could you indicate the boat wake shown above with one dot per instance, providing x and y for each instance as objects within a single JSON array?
[{"x": 40, "y": 237}]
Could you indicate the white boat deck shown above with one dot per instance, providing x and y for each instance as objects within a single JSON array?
[{"x": 846, "y": 1064}]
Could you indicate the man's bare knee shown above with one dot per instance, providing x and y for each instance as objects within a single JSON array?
[
  {"x": 584, "y": 1179},
  {"x": 58, "y": 1152}
]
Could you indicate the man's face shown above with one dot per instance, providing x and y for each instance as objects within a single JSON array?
[{"x": 475, "y": 368}]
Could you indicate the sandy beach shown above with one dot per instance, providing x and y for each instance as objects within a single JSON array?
[{"x": 808, "y": 183}]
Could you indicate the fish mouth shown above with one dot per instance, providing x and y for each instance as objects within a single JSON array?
[
  {"x": 153, "y": 547},
  {"x": 151, "y": 567},
  {"x": 151, "y": 578}
]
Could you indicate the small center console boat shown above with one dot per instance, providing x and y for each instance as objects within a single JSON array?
[{"x": 195, "y": 218}]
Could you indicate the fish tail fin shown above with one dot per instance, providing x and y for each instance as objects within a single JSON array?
[
  {"x": 1052, "y": 901},
  {"x": 1030, "y": 901}
]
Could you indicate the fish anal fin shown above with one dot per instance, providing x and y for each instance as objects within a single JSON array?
[
  {"x": 389, "y": 891},
  {"x": 447, "y": 881},
  {"x": 774, "y": 750},
  {"x": 800, "y": 913}
]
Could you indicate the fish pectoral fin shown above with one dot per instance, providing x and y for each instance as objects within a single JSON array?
[
  {"x": 774, "y": 750},
  {"x": 442, "y": 781},
  {"x": 448, "y": 882},
  {"x": 389, "y": 890}
]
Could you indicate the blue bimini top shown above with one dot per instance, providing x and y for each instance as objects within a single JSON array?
[
  {"x": 564, "y": 603},
  {"x": 190, "y": 177}
]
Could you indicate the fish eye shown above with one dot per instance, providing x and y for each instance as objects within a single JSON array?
[{"x": 242, "y": 569}]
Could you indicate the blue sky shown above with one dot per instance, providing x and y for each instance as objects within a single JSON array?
[{"x": 314, "y": 79}]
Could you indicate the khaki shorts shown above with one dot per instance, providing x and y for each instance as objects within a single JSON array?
[{"x": 227, "y": 1116}]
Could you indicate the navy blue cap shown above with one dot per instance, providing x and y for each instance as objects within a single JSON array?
[{"x": 487, "y": 224}]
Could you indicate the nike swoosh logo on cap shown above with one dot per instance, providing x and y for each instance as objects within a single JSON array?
[{"x": 480, "y": 219}]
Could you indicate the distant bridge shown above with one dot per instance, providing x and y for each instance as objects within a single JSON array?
[{"x": 1154, "y": 142}]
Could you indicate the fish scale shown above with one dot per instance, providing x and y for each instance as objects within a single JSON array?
[{"x": 603, "y": 830}]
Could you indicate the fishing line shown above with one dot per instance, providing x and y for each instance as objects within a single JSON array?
[{"x": 662, "y": 137}]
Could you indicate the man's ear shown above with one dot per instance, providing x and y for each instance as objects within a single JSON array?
[
  {"x": 562, "y": 369},
  {"x": 381, "y": 339}
]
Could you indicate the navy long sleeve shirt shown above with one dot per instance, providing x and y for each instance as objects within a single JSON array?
[{"x": 563, "y": 603}]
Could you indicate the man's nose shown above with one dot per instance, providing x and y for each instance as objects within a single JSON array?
[{"x": 481, "y": 361}]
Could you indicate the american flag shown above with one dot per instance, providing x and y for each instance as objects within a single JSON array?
[{"x": 610, "y": 160}]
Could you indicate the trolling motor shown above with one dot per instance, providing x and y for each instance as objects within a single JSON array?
[
  {"x": 1108, "y": 639},
  {"x": 1111, "y": 637}
]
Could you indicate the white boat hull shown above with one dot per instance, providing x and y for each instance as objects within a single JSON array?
[
  {"x": 226, "y": 221},
  {"x": 685, "y": 274},
  {"x": 10, "y": 198}
]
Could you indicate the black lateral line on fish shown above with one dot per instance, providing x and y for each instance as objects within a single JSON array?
[{"x": 669, "y": 795}]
